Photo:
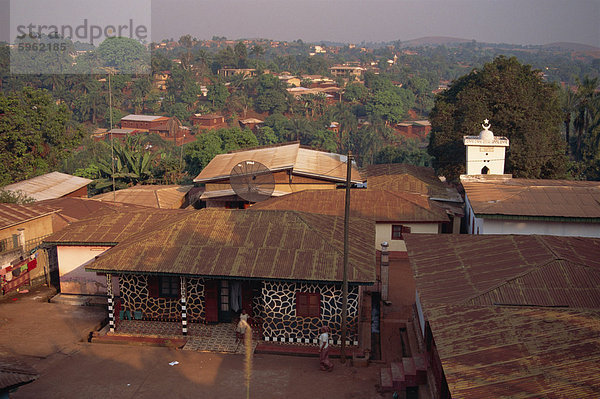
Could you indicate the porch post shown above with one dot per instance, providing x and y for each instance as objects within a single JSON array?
[
  {"x": 111, "y": 306},
  {"x": 183, "y": 306}
]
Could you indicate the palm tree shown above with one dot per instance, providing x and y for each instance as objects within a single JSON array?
[
  {"x": 586, "y": 99},
  {"x": 569, "y": 103}
]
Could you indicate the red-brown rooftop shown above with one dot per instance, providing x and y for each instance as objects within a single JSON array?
[{"x": 377, "y": 205}]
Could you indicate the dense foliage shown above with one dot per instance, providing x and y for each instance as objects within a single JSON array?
[
  {"x": 35, "y": 134},
  {"x": 519, "y": 105}
]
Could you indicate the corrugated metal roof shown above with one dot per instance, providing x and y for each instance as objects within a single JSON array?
[
  {"x": 48, "y": 186},
  {"x": 410, "y": 178},
  {"x": 377, "y": 205},
  {"x": 531, "y": 197},
  {"x": 14, "y": 373},
  {"x": 281, "y": 157},
  {"x": 143, "y": 118},
  {"x": 493, "y": 352},
  {"x": 72, "y": 209},
  {"x": 512, "y": 316},
  {"x": 459, "y": 268},
  {"x": 155, "y": 196},
  {"x": 111, "y": 226},
  {"x": 283, "y": 245},
  {"x": 12, "y": 214}
]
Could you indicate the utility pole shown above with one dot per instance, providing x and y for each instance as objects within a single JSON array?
[
  {"x": 112, "y": 147},
  {"x": 346, "y": 248}
]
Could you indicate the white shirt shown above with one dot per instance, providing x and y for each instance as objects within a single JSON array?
[{"x": 324, "y": 338}]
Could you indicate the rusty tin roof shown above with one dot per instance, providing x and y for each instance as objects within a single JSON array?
[
  {"x": 410, "y": 178},
  {"x": 534, "y": 197},
  {"x": 155, "y": 196},
  {"x": 512, "y": 316},
  {"x": 111, "y": 226},
  {"x": 13, "y": 214},
  {"x": 282, "y": 245},
  {"x": 377, "y": 205}
]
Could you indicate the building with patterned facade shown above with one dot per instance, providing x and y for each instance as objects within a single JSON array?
[{"x": 283, "y": 267}]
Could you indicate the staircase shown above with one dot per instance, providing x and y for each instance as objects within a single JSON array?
[{"x": 408, "y": 374}]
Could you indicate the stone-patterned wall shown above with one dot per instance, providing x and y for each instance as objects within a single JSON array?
[
  {"x": 279, "y": 312},
  {"x": 135, "y": 297}
]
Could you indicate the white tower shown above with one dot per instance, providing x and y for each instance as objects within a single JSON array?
[{"x": 485, "y": 153}]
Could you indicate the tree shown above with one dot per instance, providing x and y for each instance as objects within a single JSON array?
[
  {"x": 217, "y": 95},
  {"x": 124, "y": 54},
  {"x": 199, "y": 153},
  {"x": 519, "y": 105},
  {"x": 568, "y": 102},
  {"x": 587, "y": 110},
  {"x": 14, "y": 197},
  {"x": 407, "y": 152},
  {"x": 35, "y": 134},
  {"x": 271, "y": 94}
]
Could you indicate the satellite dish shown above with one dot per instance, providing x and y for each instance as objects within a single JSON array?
[{"x": 252, "y": 181}]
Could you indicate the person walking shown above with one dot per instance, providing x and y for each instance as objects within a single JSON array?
[{"x": 324, "y": 362}]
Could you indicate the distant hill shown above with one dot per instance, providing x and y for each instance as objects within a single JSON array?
[
  {"x": 433, "y": 41},
  {"x": 571, "y": 47}
]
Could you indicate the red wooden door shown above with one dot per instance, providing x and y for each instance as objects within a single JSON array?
[{"x": 211, "y": 300}]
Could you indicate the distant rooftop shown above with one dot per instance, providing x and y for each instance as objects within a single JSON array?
[
  {"x": 48, "y": 186},
  {"x": 143, "y": 118}
]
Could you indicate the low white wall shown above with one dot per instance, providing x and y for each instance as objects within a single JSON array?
[
  {"x": 71, "y": 268},
  {"x": 494, "y": 226}
]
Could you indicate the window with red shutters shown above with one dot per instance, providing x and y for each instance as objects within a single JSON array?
[
  {"x": 398, "y": 231},
  {"x": 308, "y": 304}
]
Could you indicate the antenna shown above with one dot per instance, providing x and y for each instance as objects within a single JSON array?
[{"x": 252, "y": 181}]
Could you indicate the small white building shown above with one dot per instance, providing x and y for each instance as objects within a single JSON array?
[
  {"x": 486, "y": 152},
  {"x": 496, "y": 203}
]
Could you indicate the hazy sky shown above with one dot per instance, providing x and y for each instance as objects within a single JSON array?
[{"x": 507, "y": 21}]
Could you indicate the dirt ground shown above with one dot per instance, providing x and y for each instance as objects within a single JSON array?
[{"x": 51, "y": 339}]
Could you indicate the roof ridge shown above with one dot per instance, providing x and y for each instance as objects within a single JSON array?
[{"x": 510, "y": 280}]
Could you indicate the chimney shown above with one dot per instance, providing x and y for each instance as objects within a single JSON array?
[{"x": 385, "y": 265}]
